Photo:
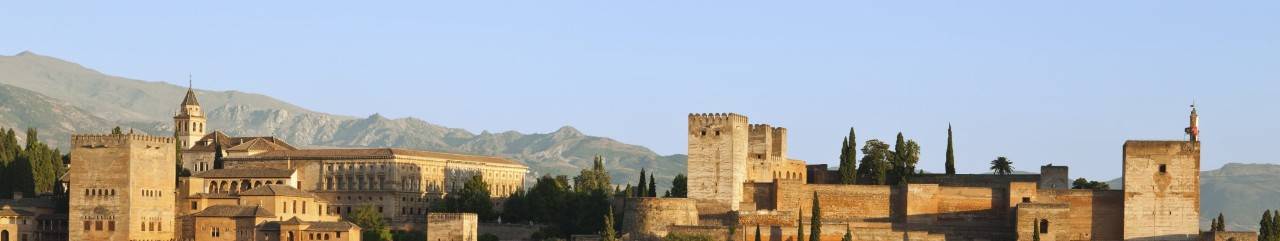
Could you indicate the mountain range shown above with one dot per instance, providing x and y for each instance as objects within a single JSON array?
[{"x": 60, "y": 98}]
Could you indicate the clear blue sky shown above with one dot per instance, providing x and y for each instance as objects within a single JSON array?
[{"x": 1038, "y": 81}]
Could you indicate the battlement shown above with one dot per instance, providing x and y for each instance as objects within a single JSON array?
[
  {"x": 715, "y": 118},
  {"x": 91, "y": 140}
]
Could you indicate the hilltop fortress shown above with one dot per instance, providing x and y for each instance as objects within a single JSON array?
[{"x": 740, "y": 178}]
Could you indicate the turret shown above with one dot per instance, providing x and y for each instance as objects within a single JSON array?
[
  {"x": 189, "y": 123},
  {"x": 1194, "y": 129}
]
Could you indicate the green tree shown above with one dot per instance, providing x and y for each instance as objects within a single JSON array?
[
  {"x": 1081, "y": 183},
  {"x": 815, "y": 220},
  {"x": 686, "y": 237},
  {"x": 1265, "y": 226},
  {"x": 653, "y": 186},
  {"x": 1035, "y": 230},
  {"x": 643, "y": 189},
  {"x": 491, "y": 237},
  {"x": 1220, "y": 224},
  {"x": 849, "y": 159},
  {"x": 217, "y": 154},
  {"x": 116, "y": 131},
  {"x": 951, "y": 153},
  {"x": 367, "y": 217},
  {"x": 1274, "y": 232},
  {"x": 472, "y": 198},
  {"x": 596, "y": 178},
  {"x": 873, "y": 168},
  {"x": 608, "y": 234},
  {"x": 800, "y": 225},
  {"x": 848, "y": 234},
  {"x": 679, "y": 186},
  {"x": 1002, "y": 166}
]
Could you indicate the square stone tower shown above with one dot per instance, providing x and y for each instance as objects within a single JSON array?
[
  {"x": 717, "y": 160},
  {"x": 122, "y": 187},
  {"x": 1161, "y": 190}
]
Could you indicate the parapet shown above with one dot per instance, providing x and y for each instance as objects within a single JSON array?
[
  {"x": 104, "y": 140},
  {"x": 712, "y": 118}
]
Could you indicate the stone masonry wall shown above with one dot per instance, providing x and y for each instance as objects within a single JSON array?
[
  {"x": 717, "y": 160},
  {"x": 1093, "y": 215},
  {"x": 1161, "y": 190},
  {"x": 121, "y": 184},
  {"x": 651, "y": 218}
]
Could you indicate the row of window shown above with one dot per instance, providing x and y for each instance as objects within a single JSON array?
[
  {"x": 111, "y": 226},
  {"x": 152, "y": 193},
  {"x": 99, "y": 192}
]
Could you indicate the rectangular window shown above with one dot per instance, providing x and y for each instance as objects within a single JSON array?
[
  {"x": 111, "y": 225},
  {"x": 97, "y": 225},
  {"x": 194, "y": 205},
  {"x": 1163, "y": 169},
  {"x": 86, "y": 225}
]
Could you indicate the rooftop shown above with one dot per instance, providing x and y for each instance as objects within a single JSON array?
[
  {"x": 234, "y": 211},
  {"x": 246, "y": 173}
]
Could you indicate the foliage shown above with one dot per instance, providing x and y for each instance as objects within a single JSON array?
[
  {"x": 904, "y": 158},
  {"x": 951, "y": 153},
  {"x": 608, "y": 233},
  {"x": 849, "y": 159},
  {"x": 1002, "y": 166},
  {"x": 1081, "y": 183},
  {"x": 217, "y": 155},
  {"x": 411, "y": 235},
  {"x": 472, "y": 198},
  {"x": 875, "y": 162},
  {"x": 367, "y": 217},
  {"x": 815, "y": 220},
  {"x": 686, "y": 237},
  {"x": 564, "y": 211},
  {"x": 800, "y": 225},
  {"x": 376, "y": 235},
  {"x": 653, "y": 186},
  {"x": 31, "y": 170},
  {"x": 642, "y": 188},
  {"x": 591, "y": 179},
  {"x": 757, "y": 232},
  {"x": 116, "y": 131},
  {"x": 1218, "y": 224},
  {"x": 489, "y": 237},
  {"x": 848, "y": 234},
  {"x": 1035, "y": 230},
  {"x": 679, "y": 186}
]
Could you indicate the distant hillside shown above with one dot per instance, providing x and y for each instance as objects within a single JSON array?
[
  {"x": 55, "y": 120},
  {"x": 1238, "y": 191},
  {"x": 85, "y": 100}
]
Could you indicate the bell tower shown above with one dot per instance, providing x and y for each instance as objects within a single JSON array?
[
  {"x": 1194, "y": 129},
  {"x": 188, "y": 124}
]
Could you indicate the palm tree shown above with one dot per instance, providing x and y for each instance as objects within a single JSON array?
[{"x": 1002, "y": 166}]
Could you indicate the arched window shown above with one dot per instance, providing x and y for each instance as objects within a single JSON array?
[
  {"x": 4, "y": 235},
  {"x": 1044, "y": 226}
]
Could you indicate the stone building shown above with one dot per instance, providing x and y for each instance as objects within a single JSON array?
[
  {"x": 398, "y": 183},
  {"x": 33, "y": 219},
  {"x": 266, "y": 212},
  {"x": 740, "y": 178},
  {"x": 121, "y": 187}
]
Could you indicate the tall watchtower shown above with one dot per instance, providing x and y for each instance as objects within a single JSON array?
[
  {"x": 1162, "y": 189},
  {"x": 188, "y": 124},
  {"x": 122, "y": 187},
  {"x": 717, "y": 160}
]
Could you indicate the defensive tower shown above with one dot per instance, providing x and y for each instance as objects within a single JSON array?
[
  {"x": 1162, "y": 188},
  {"x": 122, "y": 187},
  {"x": 717, "y": 160}
]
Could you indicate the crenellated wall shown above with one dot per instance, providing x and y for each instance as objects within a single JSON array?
[
  {"x": 651, "y": 218},
  {"x": 717, "y": 160}
]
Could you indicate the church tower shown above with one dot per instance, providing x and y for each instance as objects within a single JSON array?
[{"x": 188, "y": 125}]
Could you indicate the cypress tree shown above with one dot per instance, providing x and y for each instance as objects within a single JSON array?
[
  {"x": 642, "y": 188},
  {"x": 800, "y": 225},
  {"x": 815, "y": 220},
  {"x": 1275, "y": 226},
  {"x": 1264, "y": 231},
  {"x": 951, "y": 154},
  {"x": 653, "y": 186},
  {"x": 217, "y": 155},
  {"x": 849, "y": 159},
  {"x": 1220, "y": 223},
  {"x": 899, "y": 158},
  {"x": 1035, "y": 230},
  {"x": 1213, "y": 225},
  {"x": 608, "y": 234},
  {"x": 680, "y": 186},
  {"x": 848, "y": 234}
]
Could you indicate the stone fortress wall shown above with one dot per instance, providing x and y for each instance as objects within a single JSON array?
[
  {"x": 1159, "y": 200},
  {"x": 111, "y": 196}
]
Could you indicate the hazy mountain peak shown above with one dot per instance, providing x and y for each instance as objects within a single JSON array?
[
  {"x": 567, "y": 131},
  {"x": 26, "y": 53}
]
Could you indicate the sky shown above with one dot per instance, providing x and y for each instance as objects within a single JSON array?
[{"x": 1062, "y": 82}]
